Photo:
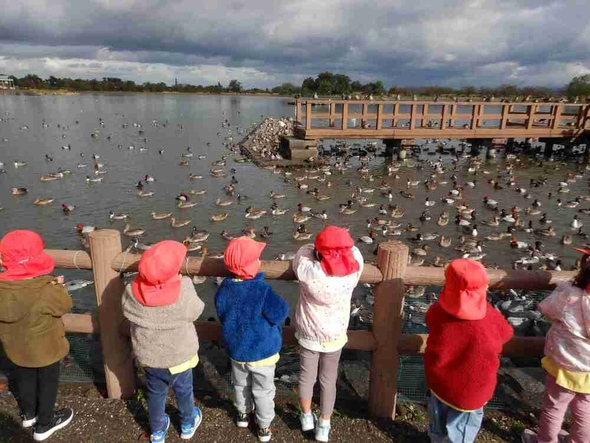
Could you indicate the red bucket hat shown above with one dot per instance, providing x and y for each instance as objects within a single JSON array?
[
  {"x": 242, "y": 257},
  {"x": 158, "y": 282},
  {"x": 335, "y": 245},
  {"x": 23, "y": 256},
  {"x": 464, "y": 293}
]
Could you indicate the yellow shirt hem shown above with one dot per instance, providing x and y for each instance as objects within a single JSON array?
[
  {"x": 450, "y": 405},
  {"x": 574, "y": 381},
  {"x": 193, "y": 362},
  {"x": 269, "y": 361}
]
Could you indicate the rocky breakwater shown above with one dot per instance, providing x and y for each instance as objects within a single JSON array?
[{"x": 271, "y": 144}]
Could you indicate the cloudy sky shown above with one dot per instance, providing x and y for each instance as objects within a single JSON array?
[{"x": 265, "y": 42}]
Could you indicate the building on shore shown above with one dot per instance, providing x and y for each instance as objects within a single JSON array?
[{"x": 6, "y": 82}]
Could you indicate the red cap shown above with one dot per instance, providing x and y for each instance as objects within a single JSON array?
[
  {"x": 464, "y": 293},
  {"x": 242, "y": 257},
  {"x": 158, "y": 282},
  {"x": 335, "y": 246},
  {"x": 23, "y": 256}
]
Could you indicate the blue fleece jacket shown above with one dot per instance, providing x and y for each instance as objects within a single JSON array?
[{"x": 251, "y": 314}]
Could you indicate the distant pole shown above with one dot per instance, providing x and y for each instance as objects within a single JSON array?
[
  {"x": 105, "y": 245},
  {"x": 392, "y": 259}
]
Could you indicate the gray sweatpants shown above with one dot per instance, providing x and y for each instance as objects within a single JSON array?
[
  {"x": 328, "y": 375},
  {"x": 255, "y": 385}
]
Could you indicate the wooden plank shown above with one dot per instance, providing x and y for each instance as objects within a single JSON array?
[
  {"x": 308, "y": 116},
  {"x": 444, "y": 119},
  {"x": 499, "y": 278},
  {"x": 557, "y": 109},
  {"x": 105, "y": 245},
  {"x": 516, "y": 347},
  {"x": 475, "y": 116},
  {"x": 213, "y": 267},
  {"x": 452, "y": 116},
  {"x": 380, "y": 116},
  {"x": 392, "y": 259},
  {"x": 70, "y": 259},
  {"x": 81, "y": 323},
  {"x": 344, "y": 116},
  {"x": 424, "y": 115},
  {"x": 298, "y": 111}
]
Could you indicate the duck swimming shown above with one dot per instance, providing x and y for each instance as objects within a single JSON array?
[
  {"x": 133, "y": 232},
  {"x": 178, "y": 223},
  {"x": 19, "y": 191},
  {"x": 161, "y": 215},
  {"x": 252, "y": 213},
  {"x": 218, "y": 217},
  {"x": 43, "y": 201},
  {"x": 117, "y": 215}
]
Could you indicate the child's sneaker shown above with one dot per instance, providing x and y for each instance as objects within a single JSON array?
[
  {"x": 529, "y": 436},
  {"x": 307, "y": 422},
  {"x": 322, "y": 431},
  {"x": 28, "y": 422},
  {"x": 160, "y": 436},
  {"x": 264, "y": 434},
  {"x": 61, "y": 419},
  {"x": 187, "y": 431},
  {"x": 242, "y": 420}
]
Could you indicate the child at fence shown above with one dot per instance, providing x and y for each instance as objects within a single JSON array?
[
  {"x": 251, "y": 314},
  {"x": 32, "y": 332},
  {"x": 327, "y": 271},
  {"x": 466, "y": 335},
  {"x": 567, "y": 362},
  {"x": 162, "y": 307}
]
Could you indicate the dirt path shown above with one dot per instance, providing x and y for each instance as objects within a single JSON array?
[{"x": 102, "y": 420}]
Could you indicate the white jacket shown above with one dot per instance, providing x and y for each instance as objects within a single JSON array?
[
  {"x": 323, "y": 308},
  {"x": 568, "y": 341}
]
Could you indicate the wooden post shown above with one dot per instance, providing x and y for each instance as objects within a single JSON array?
[
  {"x": 332, "y": 112},
  {"x": 392, "y": 259},
  {"x": 475, "y": 117},
  {"x": 530, "y": 116},
  {"x": 298, "y": 110},
  {"x": 504, "y": 121},
  {"x": 443, "y": 120},
  {"x": 395, "y": 112},
  {"x": 344, "y": 115},
  {"x": 105, "y": 245},
  {"x": 424, "y": 115},
  {"x": 556, "y": 116},
  {"x": 379, "y": 116},
  {"x": 413, "y": 110},
  {"x": 307, "y": 116},
  {"x": 452, "y": 116}
]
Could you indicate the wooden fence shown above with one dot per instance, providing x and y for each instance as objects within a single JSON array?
[
  {"x": 390, "y": 119},
  {"x": 108, "y": 260}
]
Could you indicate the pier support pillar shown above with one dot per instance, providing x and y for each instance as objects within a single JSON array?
[
  {"x": 392, "y": 259},
  {"x": 296, "y": 149},
  {"x": 477, "y": 144},
  {"x": 392, "y": 146},
  {"x": 105, "y": 245},
  {"x": 549, "y": 144}
]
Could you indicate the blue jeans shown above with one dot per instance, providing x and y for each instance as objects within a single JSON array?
[
  {"x": 449, "y": 424},
  {"x": 158, "y": 380}
]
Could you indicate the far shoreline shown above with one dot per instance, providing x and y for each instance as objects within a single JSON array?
[{"x": 44, "y": 92}]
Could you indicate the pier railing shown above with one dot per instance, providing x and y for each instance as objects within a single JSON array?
[
  {"x": 389, "y": 119},
  {"x": 107, "y": 260}
]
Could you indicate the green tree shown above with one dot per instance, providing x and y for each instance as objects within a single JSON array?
[
  {"x": 356, "y": 86},
  {"x": 234, "y": 86},
  {"x": 579, "y": 86}
]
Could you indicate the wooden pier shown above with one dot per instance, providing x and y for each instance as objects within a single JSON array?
[
  {"x": 391, "y": 275},
  {"x": 398, "y": 120}
]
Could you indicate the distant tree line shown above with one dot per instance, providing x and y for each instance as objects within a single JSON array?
[{"x": 325, "y": 84}]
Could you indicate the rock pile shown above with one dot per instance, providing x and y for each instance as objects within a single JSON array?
[{"x": 264, "y": 142}]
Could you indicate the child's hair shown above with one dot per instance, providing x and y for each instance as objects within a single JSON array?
[{"x": 582, "y": 280}]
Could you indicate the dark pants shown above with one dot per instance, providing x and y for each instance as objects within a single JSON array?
[
  {"x": 158, "y": 381},
  {"x": 36, "y": 391}
]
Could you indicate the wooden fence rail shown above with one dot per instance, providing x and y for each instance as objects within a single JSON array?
[{"x": 391, "y": 275}]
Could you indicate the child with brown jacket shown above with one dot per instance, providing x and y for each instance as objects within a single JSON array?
[{"x": 32, "y": 332}]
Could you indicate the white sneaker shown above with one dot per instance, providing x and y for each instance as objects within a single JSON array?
[
  {"x": 528, "y": 436},
  {"x": 322, "y": 431},
  {"x": 307, "y": 422}
]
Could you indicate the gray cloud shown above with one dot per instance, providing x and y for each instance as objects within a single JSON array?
[{"x": 403, "y": 42}]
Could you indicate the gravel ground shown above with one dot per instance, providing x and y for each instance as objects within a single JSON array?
[{"x": 101, "y": 420}]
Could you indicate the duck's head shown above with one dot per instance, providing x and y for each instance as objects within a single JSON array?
[
  {"x": 248, "y": 209},
  {"x": 79, "y": 227}
]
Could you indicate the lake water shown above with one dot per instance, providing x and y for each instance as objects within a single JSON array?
[{"x": 35, "y": 126}]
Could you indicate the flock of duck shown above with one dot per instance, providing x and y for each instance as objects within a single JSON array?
[{"x": 445, "y": 204}]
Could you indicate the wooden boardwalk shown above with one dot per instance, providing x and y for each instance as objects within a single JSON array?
[{"x": 430, "y": 119}]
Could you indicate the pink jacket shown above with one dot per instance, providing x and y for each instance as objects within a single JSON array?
[
  {"x": 568, "y": 341},
  {"x": 323, "y": 308}
]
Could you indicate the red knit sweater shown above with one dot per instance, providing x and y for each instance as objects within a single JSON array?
[{"x": 461, "y": 359}]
